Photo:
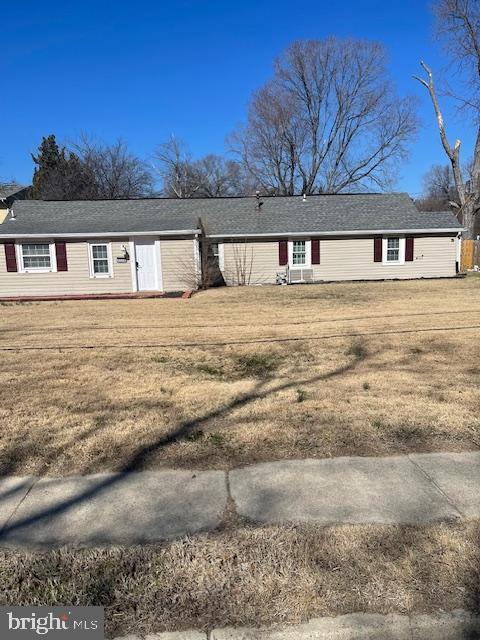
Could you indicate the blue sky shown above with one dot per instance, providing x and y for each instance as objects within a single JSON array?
[{"x": 144, "y": 70}]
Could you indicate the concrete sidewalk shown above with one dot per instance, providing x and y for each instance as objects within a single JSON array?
[
  {"x": 151, "y": 506},
  {"x": 355, "y": 626}
]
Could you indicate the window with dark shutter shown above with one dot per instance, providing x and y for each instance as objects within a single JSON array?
[
  {"x": 11, "y": 257},
  {"x": 409, "y": 249},
  {"x": 315, "y": 251},
  {"x": 377, "y": 249},
  {"x": 61, "y": 254},
  {"x": 282, "y": 253}
]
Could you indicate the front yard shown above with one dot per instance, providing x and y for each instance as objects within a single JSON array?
[
  {"x": 231, "y": 377},
  {"x": 254, "y": 576},
  {"x": 235, "y": 376}
]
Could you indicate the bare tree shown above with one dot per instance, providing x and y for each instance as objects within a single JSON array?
[
  {"x": 175, "y": 167},
  {"x": 439, "y": 190},
  {"x": 328, "y": 121},
  {"x": 238, "y": 271},
  {"x": 220, "y": 177},
  {"x": 458, "y": 27},
  {"x": 212, "y": 176},
  {"x": 271, "y": 143},
  {"x": 115, "y": 172},
  {"x": 458, "y": 22}
]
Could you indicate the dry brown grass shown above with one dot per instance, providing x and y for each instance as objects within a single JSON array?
[
  {"x": 389, "y": 382},
  {"x": 256, "y": 576}
]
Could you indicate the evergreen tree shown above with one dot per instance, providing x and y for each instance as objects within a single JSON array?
[{"x": 59, "y": 174}]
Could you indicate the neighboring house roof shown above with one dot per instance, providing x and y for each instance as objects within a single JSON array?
[
  {"x": 11, "y": 190},
  {"x": 322, "y": 214}
]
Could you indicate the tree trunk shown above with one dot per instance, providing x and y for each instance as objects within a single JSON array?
[
  {"x": 468, "y": 195},
  {"x": 468, "y": 212}
]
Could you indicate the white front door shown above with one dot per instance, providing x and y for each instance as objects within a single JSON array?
[{"x": 146, "y": 259}]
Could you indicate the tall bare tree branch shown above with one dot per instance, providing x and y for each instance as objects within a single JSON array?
[
  {"x": 458, "y": 22},
  {"x": 453, "y": 153}
]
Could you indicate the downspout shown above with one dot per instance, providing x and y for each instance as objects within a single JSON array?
[{"x": 202, "y": 252}]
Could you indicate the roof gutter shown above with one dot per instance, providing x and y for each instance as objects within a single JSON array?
[
  {"x": 103, "y": 234},
  {"x": 359, "y": 232}
]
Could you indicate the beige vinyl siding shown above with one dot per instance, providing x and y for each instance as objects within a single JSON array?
[
  {"x": 178, "y": 264},
  {"x": 257, "y": 260},
  {"x": 352, "y": 259},
  {"x": 344, "y": 259},
  {"x": 76, "y": 280}
]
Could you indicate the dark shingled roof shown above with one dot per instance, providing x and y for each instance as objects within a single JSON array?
[
  {"x": 12, "y": 189},
  {"x": 98, "y": 216},
  {"x": 227, "y": 216},
  {"x": 322, "y": 214}
]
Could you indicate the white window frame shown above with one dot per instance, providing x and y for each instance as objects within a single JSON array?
[
  {"x": 308, "y": 253},
  {"x": 53, "y": 257},
  {"x": 220, "y": 254},
  {"x": 107, "y": 244},
  {"x": 401, "y": 250}
]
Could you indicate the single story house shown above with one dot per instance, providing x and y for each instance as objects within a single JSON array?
[{"x": 161, "y": 244}]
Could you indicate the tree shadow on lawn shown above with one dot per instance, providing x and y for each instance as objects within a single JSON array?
[
  {"x": 140, "y": 458},
  {"x": 17, "y": 451}
]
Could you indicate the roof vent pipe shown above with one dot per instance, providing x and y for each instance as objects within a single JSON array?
[
  {"x": 304, "y": 199},
  {"x": 259, "y": 202},
  {"x": 12, "y": 214}
]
